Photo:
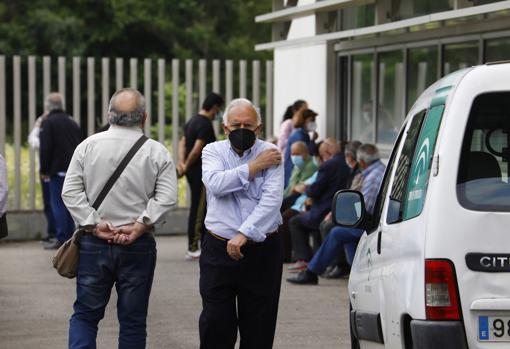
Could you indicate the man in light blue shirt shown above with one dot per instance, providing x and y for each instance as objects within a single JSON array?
[{"x": 241, "y": 260}]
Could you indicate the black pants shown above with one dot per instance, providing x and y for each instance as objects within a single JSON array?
[
  {"x": 300, "y": 232},
  {"x": 196, "y": 226},
  {"x": 239, "y": 294}
]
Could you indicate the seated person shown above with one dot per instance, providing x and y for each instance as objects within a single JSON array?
[
  {"x": 339, "y": 266},
  {"x": 304, "y": 167},
  {"x": 331, "y": 177},
  {"x": 373, "y": 173}
]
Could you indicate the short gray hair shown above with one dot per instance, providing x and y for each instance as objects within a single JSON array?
[
  {"x": 351, "y": 149},
  {"x": 53, "y": 102},
  {"x": 127, "y": 118},
  {"x": 368, "y": 153},
  {"x": 238, "y": 102}
]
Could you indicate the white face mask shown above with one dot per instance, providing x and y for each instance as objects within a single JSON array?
[{"x": 311, "y": 126}]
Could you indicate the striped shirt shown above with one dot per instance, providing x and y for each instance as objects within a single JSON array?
[
  {"x": 236, "y": 202},
  {"x": 373, "y": 176}
]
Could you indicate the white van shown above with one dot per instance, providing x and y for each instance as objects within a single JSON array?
[{"x": 432, "y": 269}]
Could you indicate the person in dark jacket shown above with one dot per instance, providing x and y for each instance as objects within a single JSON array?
[
  {"x": 332, "y": 176},
  {"x": 59, "y": 136}
]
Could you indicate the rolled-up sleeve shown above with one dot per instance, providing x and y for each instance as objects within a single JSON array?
[
  {"x": 219, "y": 181},
  {"x": 267, "y": 211},
  {"x": 165, "y": 194},
  {"x": 73, "y": 192}
]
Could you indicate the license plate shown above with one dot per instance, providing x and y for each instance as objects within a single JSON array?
[{"x": 494, "y": 328}]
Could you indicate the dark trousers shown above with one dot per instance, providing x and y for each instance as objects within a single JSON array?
[
  {"x": 337, "y": 239},
  {"x": 341, "y": 259},
  {"x": 50, "y": 220},
  {"x": 196, "y": 226},
  {"x": 285, "y": 232},
  {"x": 300, "y": 232},
  {"x": 288, "y": 201},
  {"x": 64, "y": 224},
  {"x": 131, "y": 269},
  {"x": 239, "y": 294}
]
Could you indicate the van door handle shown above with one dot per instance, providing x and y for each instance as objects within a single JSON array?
[{"x": 379, "y": 237}]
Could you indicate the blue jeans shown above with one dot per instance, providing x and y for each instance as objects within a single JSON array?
[
  {"x": 338, "y": 238},
  {"x": 64, "y": 224},
  {"x": 45, "y": 186},
  {"x": 131, "y": 269}
]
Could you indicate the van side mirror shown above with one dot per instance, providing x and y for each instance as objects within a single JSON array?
[{"x": 348, "y": 208}]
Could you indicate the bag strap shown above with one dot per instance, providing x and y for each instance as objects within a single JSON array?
[{"x": 115, "y": 175}]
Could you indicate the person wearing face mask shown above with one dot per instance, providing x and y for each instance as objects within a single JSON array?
[
  {"x": 286, "y": 126},
  {"x": 198, "y": 132},
  {"x": 331, "y": 177},
  {"x": 303, "y": 125},
  {"x": 304, "y": 167},
  {"x": 241, "y": 260}
]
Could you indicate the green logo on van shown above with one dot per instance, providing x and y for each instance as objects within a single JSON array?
[{"x": 420, "y": 170}]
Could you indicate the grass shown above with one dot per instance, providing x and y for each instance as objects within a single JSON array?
[{"x": 25, "y": 203}]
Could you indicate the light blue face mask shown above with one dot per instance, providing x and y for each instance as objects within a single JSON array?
[
  {"x": 218, "y": 116},
  {"x": 297, "y": 160},
  {"x": 315, "y": 161}
]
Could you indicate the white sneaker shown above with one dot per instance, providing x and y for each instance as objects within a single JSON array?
[{"x": 191, "y": 256}]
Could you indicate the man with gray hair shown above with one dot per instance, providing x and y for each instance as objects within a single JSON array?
[
  {"x": 241, "y": 260},
  {"x": 59, "y": 135},
  {"x": 120, "y": 248}
]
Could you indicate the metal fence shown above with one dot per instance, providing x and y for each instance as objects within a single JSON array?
[{"x": 218, "y": 76}]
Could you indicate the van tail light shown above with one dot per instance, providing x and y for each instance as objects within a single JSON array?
[{"x": 441, "y": 296}]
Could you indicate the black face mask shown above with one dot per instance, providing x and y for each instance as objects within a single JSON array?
[{"x": 242, "y": 138}]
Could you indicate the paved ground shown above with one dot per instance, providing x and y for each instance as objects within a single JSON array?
[{"x": 35, "y": 304}]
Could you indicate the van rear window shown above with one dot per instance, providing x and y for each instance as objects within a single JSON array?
[{"x": 482, "y": 182}]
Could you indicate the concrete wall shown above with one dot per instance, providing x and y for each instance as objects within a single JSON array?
[
  {"x": 300, "y": 72},
  {"x": 31, "y": 225}
]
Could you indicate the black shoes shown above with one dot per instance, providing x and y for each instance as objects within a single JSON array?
[
  {"x": 304, "y": 277},
  {"x": 336, "y": 272}
]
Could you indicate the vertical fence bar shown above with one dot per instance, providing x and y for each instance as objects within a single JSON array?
[
  {"x": 202, "y": 81},
  {"x": 229, "y": 83},
  {"x": 255, "y": 81},
  {"x": 119, "y": 73},
  {"x": 2, "y": 105},
  {"x": 189, "y": 88},
  {"x": 90, "y": 96},
  {"x": 216, "y": 76},
  {"x": 105, "y": 73},
  {"x": 133, "y": 73},
  {"x": 216, "y": 88},
  {"x": 31, "y": 121},
  {"x": 17, "y": 130},
  {"x": 242, "y": 78},
  {"x": 269, "y": 98},
  {"x": 147, "y": 67},
  {"x": 76, "y": 90},
  {"x": 46, "y": 76},
  {"x": 175, "y": 107},
  {"x": 62, "y": 79},
  {"x": 161, "y": 101}
]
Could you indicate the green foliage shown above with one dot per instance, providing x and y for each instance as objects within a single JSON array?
[{"x": 134, "y": 28}]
